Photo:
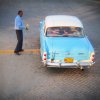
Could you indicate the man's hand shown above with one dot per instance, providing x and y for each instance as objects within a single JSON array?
[{"x": 26, "y": 28}]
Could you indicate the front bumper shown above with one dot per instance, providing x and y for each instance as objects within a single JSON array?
[{"x": 69, "y": 65}]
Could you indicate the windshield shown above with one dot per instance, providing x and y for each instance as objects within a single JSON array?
[{"x": 64, "y": 31}]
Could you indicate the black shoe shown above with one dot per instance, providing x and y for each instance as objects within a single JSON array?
[
  {"x": 21, "y": 50},
  {"x": 17, "y": 53}
]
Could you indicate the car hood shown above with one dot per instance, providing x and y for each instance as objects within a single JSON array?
[{"x": 67, "y": 44}]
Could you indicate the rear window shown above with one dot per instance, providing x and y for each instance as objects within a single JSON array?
[{"x": 64, "y": 32}]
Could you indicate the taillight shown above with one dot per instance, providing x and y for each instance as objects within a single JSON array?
[
  {"x": 92, "y": 57},
  {"x": 44, "y": 56},
  {"x": 45, "y": 59}
]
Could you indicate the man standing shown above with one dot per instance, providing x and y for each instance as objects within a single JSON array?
[{"x": 19, "y": 26}]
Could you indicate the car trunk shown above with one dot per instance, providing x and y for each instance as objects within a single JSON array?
[{"x": 59, "y": 48}]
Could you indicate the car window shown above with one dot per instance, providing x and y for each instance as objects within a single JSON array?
[{"x": 65, "y": 31}]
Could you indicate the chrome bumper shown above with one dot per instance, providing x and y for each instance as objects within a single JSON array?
[{"x": 70, "y": 65}]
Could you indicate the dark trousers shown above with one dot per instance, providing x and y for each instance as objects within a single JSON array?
[{"x": 19, "y": 45}]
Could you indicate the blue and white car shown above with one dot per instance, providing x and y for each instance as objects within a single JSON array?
[{"x": 63, "y": 43}]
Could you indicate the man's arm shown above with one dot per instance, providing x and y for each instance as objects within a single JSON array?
[{"x": 20, "y": 24}]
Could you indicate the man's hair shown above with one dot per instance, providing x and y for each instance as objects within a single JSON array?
[{"x": 19, "y": 11}]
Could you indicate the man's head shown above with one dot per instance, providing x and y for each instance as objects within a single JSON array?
[{"x": 20, "y": 13}]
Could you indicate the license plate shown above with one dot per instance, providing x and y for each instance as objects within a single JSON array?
[{"x": 68, "y": 60}]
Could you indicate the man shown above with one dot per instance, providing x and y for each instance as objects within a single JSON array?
[{"x": 19, "y": 26}]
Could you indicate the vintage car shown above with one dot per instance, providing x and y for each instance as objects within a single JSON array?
[{"x": 63, "y": 43}]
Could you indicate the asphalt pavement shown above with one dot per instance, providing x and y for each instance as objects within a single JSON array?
[{"x": 24, "y": 77}]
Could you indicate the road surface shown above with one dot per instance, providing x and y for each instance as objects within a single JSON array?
[{"x": 24, "y": 77}]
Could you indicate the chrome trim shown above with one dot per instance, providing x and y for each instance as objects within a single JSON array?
[{"x": 69, "y": 65}]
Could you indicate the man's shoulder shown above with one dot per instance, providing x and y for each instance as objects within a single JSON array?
[{"x": 17, "y": 17}]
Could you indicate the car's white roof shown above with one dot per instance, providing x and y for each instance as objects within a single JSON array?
[{"x": 62, "y": 20}]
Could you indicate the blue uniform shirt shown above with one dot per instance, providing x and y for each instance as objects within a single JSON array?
[{"x": 19, "y": 25}]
